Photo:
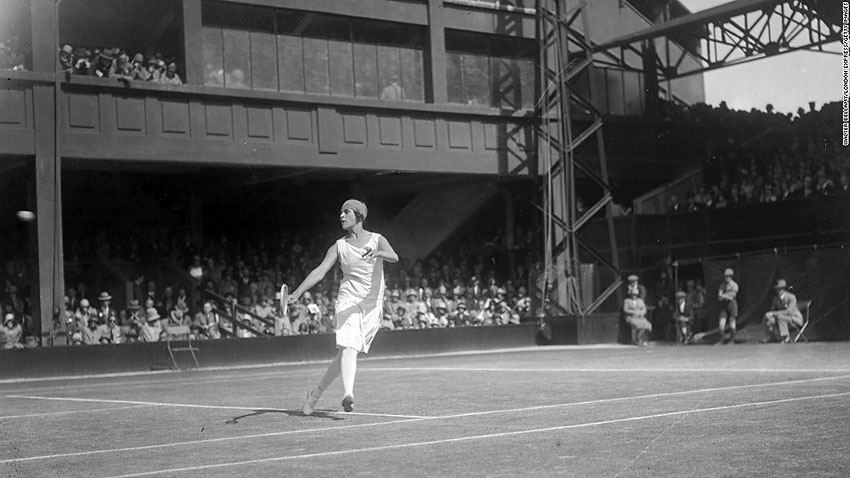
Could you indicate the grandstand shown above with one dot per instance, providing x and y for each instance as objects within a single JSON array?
[
  {"x": 430, "y": 110},
  {"x": 184, "y": 159}
]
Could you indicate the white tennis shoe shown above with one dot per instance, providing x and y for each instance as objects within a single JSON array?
[{"x": 310, "y": 405}]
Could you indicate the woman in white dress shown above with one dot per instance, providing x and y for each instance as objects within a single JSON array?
[{"x": 359, "y": 303}]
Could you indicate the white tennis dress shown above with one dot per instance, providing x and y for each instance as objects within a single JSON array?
[{"x": 359, "y": 303}]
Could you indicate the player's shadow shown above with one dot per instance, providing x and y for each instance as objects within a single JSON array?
[{"x": 291, "y": 413}]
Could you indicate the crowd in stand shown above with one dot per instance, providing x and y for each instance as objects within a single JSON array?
[
  {"x": 116, "y": 63},
  {"x": 765, "y": 157}
]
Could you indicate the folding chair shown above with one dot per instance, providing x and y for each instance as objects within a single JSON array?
[
  {"x": 804, "y": 306},
  {"x": 172, "y": 334}
]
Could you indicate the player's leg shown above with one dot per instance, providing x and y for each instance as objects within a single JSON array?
[
  {"x": 721, "y": 328},
  {"x": 348, "y": 365},
  {"x": 327, "y": 379}
]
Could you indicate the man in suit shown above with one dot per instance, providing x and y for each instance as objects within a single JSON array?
[
  {"x": 684, "y": 316},
  {"x": 783, "y": 311}
]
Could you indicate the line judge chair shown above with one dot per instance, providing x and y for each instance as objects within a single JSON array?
[
  {"x": 804, "y": 306},
  {"x": 172, "y": 335}
]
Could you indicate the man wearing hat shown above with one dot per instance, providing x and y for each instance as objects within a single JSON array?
[
  {"x": 106, "y": 310},
  {"x": 10, "y": 333},
  {"x": 151, "y": 329},
  {"x": 727, "y": 296},
  {"x": 633, "y": 284},
  {"x": 783, "y": 311},
  {"x": 684, "y": 316},
  {"x": 66, "y": 59}
]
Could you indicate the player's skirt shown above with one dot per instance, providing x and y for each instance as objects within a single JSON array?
[{"x": 355, "y": 326}]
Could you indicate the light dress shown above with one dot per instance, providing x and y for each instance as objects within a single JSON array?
[{"x": 359, "y": 303}]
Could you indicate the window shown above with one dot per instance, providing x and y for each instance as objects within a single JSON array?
[
  {"x": 490, "y": 70},
  {"x": 307, "y": 52}
]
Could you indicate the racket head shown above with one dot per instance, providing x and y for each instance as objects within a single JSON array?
[{"x": 284, "y": 300}]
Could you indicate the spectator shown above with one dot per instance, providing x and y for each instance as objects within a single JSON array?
[
  {"x": 727, "y": 296},
  {"x": 206, "y": 323},
  {"x": 112, "y": 333},
  {"x": 106, "y": 310},
  {"x": 170, "y": 75},
  {"x": 634, "y": 309},
  {"x": 66, "y": 59},
  {"x": 683, "y": 315},
  {"x": 783, "y": 311},
  {"x": 138, "y": 72},
  {"x": 11, "y": 332},
  {"x": 150, "y": 329},
  {"x": 92, "y": 331}
]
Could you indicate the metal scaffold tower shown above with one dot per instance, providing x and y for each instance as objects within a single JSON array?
[{"x": 569, "y": 120}]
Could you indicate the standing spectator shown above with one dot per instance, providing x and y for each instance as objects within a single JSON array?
[
  {"x": 106, "y": 310},
  {"x": 683, "y": 316},
  {"x": 138, "y": 71},
  {"x": 783, "y": 311},
  {"x": 11, "y": 333},
  {"x": 727, "y": 296}
]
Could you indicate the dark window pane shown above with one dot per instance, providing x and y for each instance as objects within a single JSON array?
[
  {"x": 326, "y": 26},
  {"x": 213, "y": 57},
  {"x": 476, "y": 80},
  {"x": 411, "y": 74},
  {"x": 263, "y": 61},
  {"x": 341, "y": 68},
  {"x": 316, "y": 66},
  {"x": 454, "y": 74},
  {"x": 365, "y": 71},
  {"x": 238, "y": 17},
  {"x": 389, "y": 74},
  {"x": 387, "y": 33},
  {"x": 291, "y": 63},
  {"x": 237, "y": 73},
  {"x": 290, "y": 21}
]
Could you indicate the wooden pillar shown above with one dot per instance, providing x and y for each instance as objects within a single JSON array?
[
  {"x": 436, "y": 89},
  {"x": 48, "y": 281},
  {"x": 193, "y": 42}
]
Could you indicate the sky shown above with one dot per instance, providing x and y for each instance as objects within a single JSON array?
[{"x": 788, "y": 81}]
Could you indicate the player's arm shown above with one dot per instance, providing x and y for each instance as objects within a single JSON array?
[
  {"x": 316, "y": 274},
  {"x": 385, "y": 251}
]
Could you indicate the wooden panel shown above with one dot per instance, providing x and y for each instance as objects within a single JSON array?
[
  {"x": 219, "y": 120},
  {"x": 389, "y": 131},
  {"x": 130, "y": 114},
  {"x": 13, "y": 110},
  {"x": 329, "y": 129},
  {"x": 83, "y": 111},
  {"x": 491, "y": 135},
  {"x": 175, "y": 117},
  {"x": 424, "y": 133},
  {"x": 354, "y": 129},
  {"x": 260, "y": 122},
  {"x": 299, "y": 124},
  {"x": 460, "y": 134}
]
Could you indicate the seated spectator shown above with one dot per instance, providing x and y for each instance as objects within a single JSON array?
[
  {"x": 150, "y": 329},
  {"x": 263, "y": 308},
  {"x": 683, "y": 317},
  {"x": 635, "y": 312},
  {"x": 11, "y": 333},
  {"x": 138, "y": 72},
  {"x": 112, "y": 333},
  {"x": 106, "y": 310},
  {"x": 92, "y": 332},
  {"x": 634, "y": 285},
  {"x": 121, "y": 68},
  {"x": 206, "y": 322},
  {"x": 783, "y": 311}
]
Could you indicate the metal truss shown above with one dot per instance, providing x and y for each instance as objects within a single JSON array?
[
  {"x": 568, "y": 120},
  {"x": 730, "y": 34}
]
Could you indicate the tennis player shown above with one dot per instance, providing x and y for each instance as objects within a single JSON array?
[{"x": 359, "y": 303}]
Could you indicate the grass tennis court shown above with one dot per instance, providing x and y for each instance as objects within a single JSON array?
[{"x": 742, "y": 410}]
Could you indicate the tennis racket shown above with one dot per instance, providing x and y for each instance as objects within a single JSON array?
[{"x": 284, "y": 310}]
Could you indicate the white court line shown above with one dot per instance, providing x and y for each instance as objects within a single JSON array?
[
  {"x": 190, "y": 405},
  {"x": 69, "y": 412},
  {"x": 607, "y": 370},
  {"x": 482, "y": 437},
  {"x": 393, "y": 422}
]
